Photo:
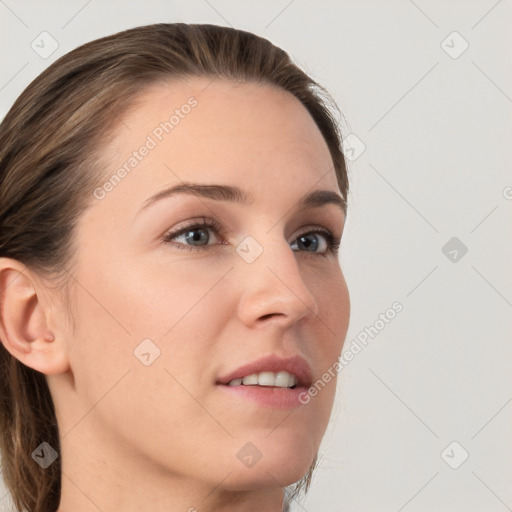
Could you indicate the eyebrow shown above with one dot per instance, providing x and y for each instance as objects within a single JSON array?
[{"x": 314, "y": 199}]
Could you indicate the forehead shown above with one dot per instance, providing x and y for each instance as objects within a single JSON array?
[
  {"x": 253, "y": 135},
  {"x": 206, "y": 113}
]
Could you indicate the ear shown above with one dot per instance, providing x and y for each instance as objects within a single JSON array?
[{"x": 23, "y": 321}]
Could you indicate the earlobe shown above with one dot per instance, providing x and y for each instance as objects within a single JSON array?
[{"x": 23, "y": 321}]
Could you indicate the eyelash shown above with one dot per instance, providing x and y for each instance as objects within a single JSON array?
[{"x": 333, "y": 242}]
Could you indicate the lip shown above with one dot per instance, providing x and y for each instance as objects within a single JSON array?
[
  {"x": 296, "y": 365},
  {"x": 267, "y": 396}
]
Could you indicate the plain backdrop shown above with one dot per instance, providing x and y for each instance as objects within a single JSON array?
[{"x": 423, "y": 414}]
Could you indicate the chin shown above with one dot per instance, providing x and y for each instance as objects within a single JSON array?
[
  {"x": 277, "y": 468},
  {"x": 269, "y": 477}
]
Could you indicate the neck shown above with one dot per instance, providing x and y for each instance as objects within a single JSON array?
[{"x": 96, "y": 480}]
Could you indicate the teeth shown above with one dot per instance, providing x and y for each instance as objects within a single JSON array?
[
  {"x": 279, "y": 379},
  {"x": 250, "y": 380},
  {"x": 266, "y": 379},
  {"x": 284, "y": 380}
]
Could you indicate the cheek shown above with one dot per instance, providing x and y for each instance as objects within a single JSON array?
[
  {"x": 118, "y": 305},
  {"x": 333, "y": 320},
  {"x": 161, "y": 298},
  {"x": 142, "y": 403},
  {"x": 332, "y": 295}
]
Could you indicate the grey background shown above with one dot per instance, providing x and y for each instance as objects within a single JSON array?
[{"x": 436, "y": 165}]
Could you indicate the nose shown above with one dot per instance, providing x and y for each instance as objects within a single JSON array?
[{"x": 272, "y": 287}]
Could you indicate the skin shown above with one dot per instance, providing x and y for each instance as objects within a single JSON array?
[{"x": 164, "y": 434}]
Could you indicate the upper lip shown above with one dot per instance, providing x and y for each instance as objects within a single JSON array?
[{"x": 295, "y": 365}]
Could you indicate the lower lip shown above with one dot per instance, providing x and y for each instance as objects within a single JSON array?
[{"x": 267, "y": 396}]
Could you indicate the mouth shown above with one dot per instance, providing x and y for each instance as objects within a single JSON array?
[
  {"x": 280, "y": 379},
  {"x": 271, "y": 382}
]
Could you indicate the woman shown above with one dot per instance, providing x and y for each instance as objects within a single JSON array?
[{"x": 172, "y": 201}]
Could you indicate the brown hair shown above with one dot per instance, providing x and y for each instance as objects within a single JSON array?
[{"x": 50, "y": 141}]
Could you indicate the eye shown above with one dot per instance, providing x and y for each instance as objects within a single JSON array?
[
  {"x": 189, "y": 233},
  {"x": 196, "y": 233},
  {"x": 310, "y": 239}
]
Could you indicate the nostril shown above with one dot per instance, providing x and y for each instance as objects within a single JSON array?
[{"x": 270, "y": 315}]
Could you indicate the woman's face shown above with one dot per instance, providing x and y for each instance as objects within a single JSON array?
[{"x": 158, "y": 325}]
